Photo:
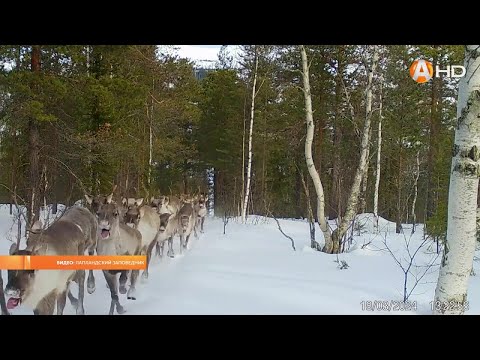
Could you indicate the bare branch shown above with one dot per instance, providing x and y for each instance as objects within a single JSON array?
[
  {"x": 280, "y": 228},
  {"x": 70, "y": 171}
]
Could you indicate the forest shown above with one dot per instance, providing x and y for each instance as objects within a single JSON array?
[{"x": 82, "y": 119}]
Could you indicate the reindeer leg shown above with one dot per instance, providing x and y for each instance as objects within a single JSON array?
[
  {"x": 158, "y": 250},
  {"x": 182, "y": 246},
  {"x": 46, "y": 306},
  {"x": 170, "y": 251},
  {"x": 149, "y": 257},
  {"x": 91, "y": 278},
  {"x": 133, "y": 280},
  {"x": 112, "y": 284},
  {"x": 73, "y": 299},
  {"x": 186, "y": 241},
  {"x": 203, "y": 220},
  {"x": 161, "y": 247},
  {"x": 61, "y": 301},
  {"x": 195, "y": 230},
  {"x": 123, "y": 281},
  {"x": 81, "y": 291}
]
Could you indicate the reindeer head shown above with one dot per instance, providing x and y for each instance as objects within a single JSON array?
[
  {"x": 20, "y": 282},
  {"x": 162, "y": 204},
  {"x": 35, "y": 233},
  {"x": 187, "y": 199},
  {"x": 108, "y": 218},
  {"x": 95, "y": 201},
  {"x": 164, "y": 218},
  {"x": 126, "y": 203},
  {"x": 202, "y": 201},
  {"x": 134, "y": 213},
  {"x": 154, "y": 203}
]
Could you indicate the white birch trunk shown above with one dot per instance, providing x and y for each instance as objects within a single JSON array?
[
  {"x": 415, "y": 192},
  {"x": 242, "y": 195},
  {"x": 379, "y": 156},
  {"x": 88, "y": 60},
  {"x": 308, "y": 151},
  {"x": 150, "y": 140},
  {"x": 363, "y": 193},
  {"x": 459, "y": 248},
  {"x": 150, "y": 153},
  {"x": 353, "y": 198},
  {"x": 249, "y": 167}
]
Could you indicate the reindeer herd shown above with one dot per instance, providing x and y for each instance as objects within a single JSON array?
[{"x": 105, "y": 227}]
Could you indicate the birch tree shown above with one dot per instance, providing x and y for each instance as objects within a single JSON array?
[
  {"x": 354, "y": 195},
  {"x": 308, "y": 151},
  {"x": 250, "y": 135},
  {"x": 415, "y": 191},
  {"x": 379, "y": 153},
  {"x": 458, "y": 252},
  {"x": 34, "y": 148}
]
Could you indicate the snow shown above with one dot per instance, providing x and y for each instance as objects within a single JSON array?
[{"x": 254, "y": 270}]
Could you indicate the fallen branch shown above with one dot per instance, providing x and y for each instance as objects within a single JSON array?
[
  {"x": 269, "y": 213},
  {"x": 280, "y": 228}
]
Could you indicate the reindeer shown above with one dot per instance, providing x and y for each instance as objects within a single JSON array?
[
  {"x": 200, "y": 207},
  {"x": 116, "y": 238},
  {"x": 146, "y": 220},
  {"x": 167, "y": 230},
  {"x": 186, "y": 219},
  {"x": 126, "y": 203},
  {"x": 166, "y": 204},
  {"x": 40, "y": 289},
  {"x": 3, "y": 304}
]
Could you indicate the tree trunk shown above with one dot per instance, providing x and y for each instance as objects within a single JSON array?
[
  {"x": 415, "y": 192},
  {"x": 87, "y": 50},
  {"x": 379, "y": 153},
  {"x": 299, "y": 205},
  {"x": 335, "y": 193},
  {"x": 34, "y": 151},
  {"x": 264, "y": 160},
  {"x": 249, "y": 167},
  {"x": 457, "y": 261},
  {"x": 311, "y": 219},
  {"x": 432, "y": 148},
  {"x": 242, "y": 195},
  {"x": 363, "y": 193},
  {"x": 355, "y": 189},
  {"x": 398, "y": 220},
  {"x": 308, "y": 152},
  {"x": 150, "y": 140}
]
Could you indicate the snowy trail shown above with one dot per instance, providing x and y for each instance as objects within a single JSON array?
[{"x": 253, "y": 270}]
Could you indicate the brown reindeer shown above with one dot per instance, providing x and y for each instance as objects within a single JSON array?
[
  {"x": 38, "y": 289},
  {"x": 186, "y": 219},
  {"x": 116, "y": 238},
  {"x": 146, "y": 220},
  {"x": 200, "y": 207},
  {"x": 168, "y": 229}
]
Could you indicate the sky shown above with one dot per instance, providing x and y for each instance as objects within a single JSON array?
[
  {"x": 199, "y": 52},
  {"x": 207, "y": 55}
]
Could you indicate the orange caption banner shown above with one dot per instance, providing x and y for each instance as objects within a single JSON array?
[{"x": 86, "y": 262}]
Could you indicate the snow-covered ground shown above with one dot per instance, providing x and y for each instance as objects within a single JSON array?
[{"x": 254, "y": 270}]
